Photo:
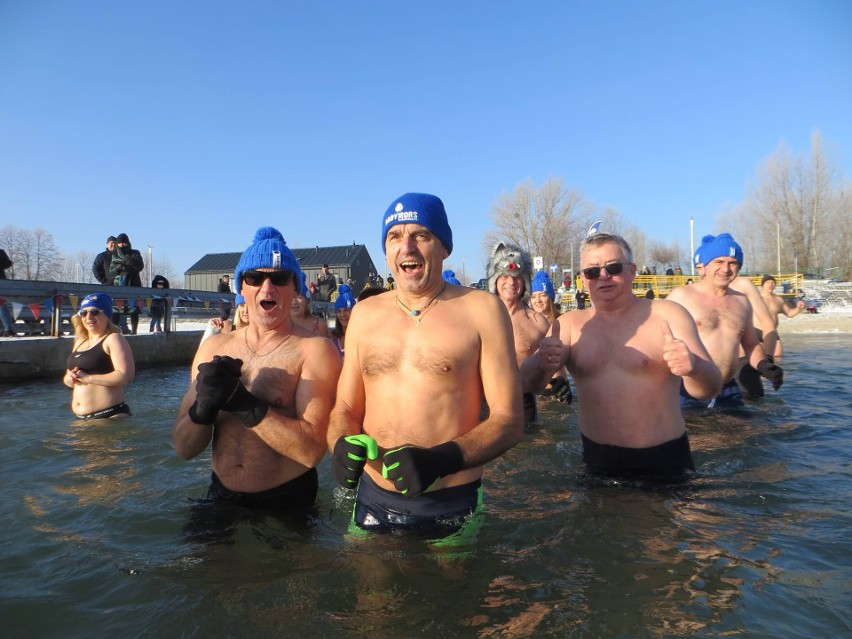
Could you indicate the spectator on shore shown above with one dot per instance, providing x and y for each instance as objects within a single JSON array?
[
  {"x": 326, "y": 284},
  {"x": 100, "y": 267},
  {"x": 124, "y": 270},
  {"x": 5, "y": 316},
  {"x": 224, "y": 284},
  {"x": 158, "y": 304}
]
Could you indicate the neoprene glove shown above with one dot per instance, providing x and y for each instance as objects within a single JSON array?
[
  {"x": 560, "y": 388},
  {"x": 350, "y": 456},
  {"x": 772, "y": 372},
  {"x": 413, "y": 470},
  {"x": 218, "y": 387}
]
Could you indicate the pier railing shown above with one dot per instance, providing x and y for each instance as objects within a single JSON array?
[{"x": 45, "y": 307}]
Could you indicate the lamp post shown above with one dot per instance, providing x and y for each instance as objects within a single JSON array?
[
  {"x": 150, "y": 262},
  {"x": 692, "y": 245},
  {"x": 778, "y": 243}
]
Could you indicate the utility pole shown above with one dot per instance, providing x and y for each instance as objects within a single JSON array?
[{"x": 692, "y": 245}]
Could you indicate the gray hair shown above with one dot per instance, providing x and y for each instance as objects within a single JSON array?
[{"x": 599, "y": 239}]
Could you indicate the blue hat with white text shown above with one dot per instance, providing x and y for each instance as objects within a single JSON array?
[
  {"x": 100, "y": 301},
  {"x": 419, "y": 208},
  {"x": 541, "y": 282},
  {"x": 268, "y": 250},
  {"x": 344, "y": 298},
  {"x": 722, "y": 245}
]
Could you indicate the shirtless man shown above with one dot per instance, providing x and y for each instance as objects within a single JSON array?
[
  {"x": 777, "y": 305},
  {"x": 765, "y": 327},
  {"x": 262, "y": 394},
  {"x": 509, "y": 277},
  {"x": 405, "y": 430},
  {"x": 724, "y": 320},
  {"x": 628, "y": 357}
]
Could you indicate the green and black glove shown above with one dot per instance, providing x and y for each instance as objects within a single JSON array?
[{"x": 413, "y": 470}]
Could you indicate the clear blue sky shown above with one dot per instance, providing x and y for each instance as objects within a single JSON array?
[{"x": 187, "y": 124}]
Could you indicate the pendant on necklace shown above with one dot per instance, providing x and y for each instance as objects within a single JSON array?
[{"x": 415, "y": 312}]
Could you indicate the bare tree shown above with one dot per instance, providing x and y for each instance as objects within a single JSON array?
[
  {"x": 164, "y": 267},
  {"x": 795, "y": 209},
  {"x": 546, "y": 221},
  {"x": 33, "y": 253},
  {"x": 664, "y": 254},
  {"x": 78, "y": 267}
]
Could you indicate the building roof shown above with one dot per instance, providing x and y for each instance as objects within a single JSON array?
[{"x": 314, "y": 257}]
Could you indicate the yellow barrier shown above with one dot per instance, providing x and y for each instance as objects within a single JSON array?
[{"x": 663, "y": 284}]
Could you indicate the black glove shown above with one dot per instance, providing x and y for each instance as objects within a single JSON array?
[
  {"x": 218, "y": 387},
  {"x": 772, "y": 372},
  {"x": 350, "y": 456},
  {"x": 413, "y": 470},
  {"x": 561, "y": 390}
]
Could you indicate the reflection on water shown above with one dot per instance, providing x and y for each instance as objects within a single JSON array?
[{"x": 755, "y": 545}]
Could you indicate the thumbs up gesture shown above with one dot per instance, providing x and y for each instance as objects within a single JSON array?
[
  {"x": 676, "y": 353},
  {"x": 551, "y": 350}
]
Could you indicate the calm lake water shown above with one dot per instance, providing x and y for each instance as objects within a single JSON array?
[{"x": 757, "y": 545}]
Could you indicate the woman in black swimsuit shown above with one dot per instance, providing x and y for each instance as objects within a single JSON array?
[{"x": 101, "y": 362}]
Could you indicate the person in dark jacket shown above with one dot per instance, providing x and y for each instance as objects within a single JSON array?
[
  {"x": 5, "y": 316},
  {"x": 158, "y": 304},
  {"x": 126, "y": 264},
  {"x": 100, "y": 267},
  {"x": 125, "y": 269}
]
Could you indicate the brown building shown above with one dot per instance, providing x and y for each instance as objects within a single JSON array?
[{"x": 350, "y": 261}]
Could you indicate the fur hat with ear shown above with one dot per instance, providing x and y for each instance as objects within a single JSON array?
[{"x": 509, "y": 259}]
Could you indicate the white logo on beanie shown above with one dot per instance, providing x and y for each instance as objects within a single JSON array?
[
  {"x": 276, "y": 259},
  {"x": 401, "y": 215}
]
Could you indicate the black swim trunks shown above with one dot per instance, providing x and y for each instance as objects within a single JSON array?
[
  {"x": 530, "y": 408},
  {"x": 667, "y": 461},
  {"x": 300, "y": 492},
  {"x": 729, "y": 397},
  {"x": 433, "y": 514},
  {"x": 104, "y": 413}
]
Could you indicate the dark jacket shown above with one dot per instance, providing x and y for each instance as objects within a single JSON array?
[
  {"x": 158, "y": 304},
  {"x": 5, "y": 263},
  {"x": 100, "y": 267},
  {"x": 125, "y": 267},
  {"x": 326, "y": 285}
]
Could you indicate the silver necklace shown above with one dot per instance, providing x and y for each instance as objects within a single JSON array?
[{"x": 269, "y": 352}]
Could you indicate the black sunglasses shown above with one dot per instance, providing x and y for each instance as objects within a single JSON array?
[
  {"x": 594, "y": 272},
  {"x": 256, "y": 278},
  {"x": 94, "y": 312}
]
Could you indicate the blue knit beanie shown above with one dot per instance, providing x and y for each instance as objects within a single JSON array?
[
  {"x": 419, "y": 208},
  {"x": 344, "y": 298},
  {"x": 541, "y": 282},
  {"x": 268, "y": 250},
  {"x": 450, "y": 277},
  {"x": 722, "y": 245},
  {"x": 100, "y": 301},
  {"x": 239, "y": 299}
]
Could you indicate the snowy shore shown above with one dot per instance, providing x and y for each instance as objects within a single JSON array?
[{"x": 828, "y": 320}]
